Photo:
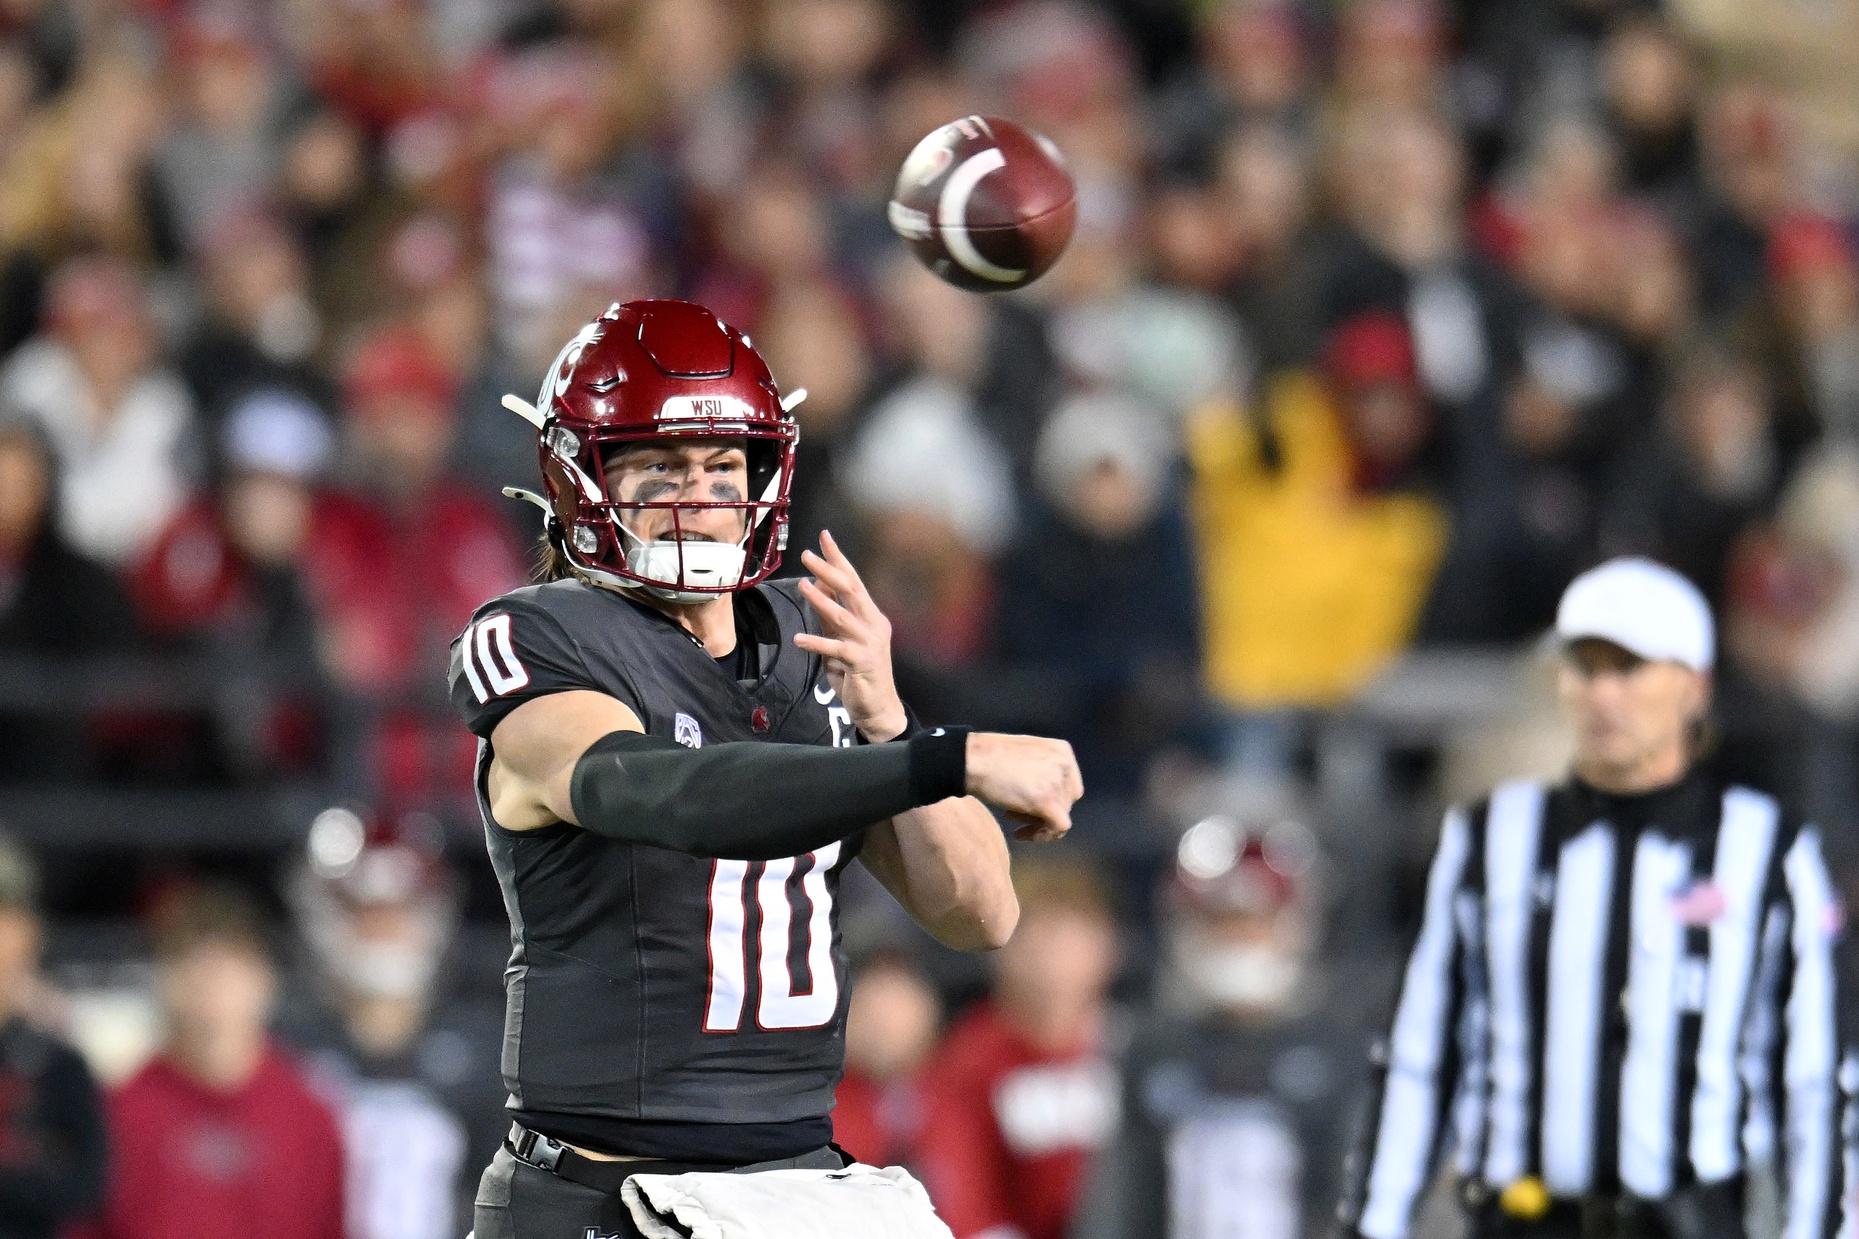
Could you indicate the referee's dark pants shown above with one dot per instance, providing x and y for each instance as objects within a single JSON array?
[
  {"x": 580, "y": 1198},
  {"x": 1695, "y": 1211}
]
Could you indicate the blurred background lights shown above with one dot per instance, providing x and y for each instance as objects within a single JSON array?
[
  {"x": 1209, "y": 848},
  {"x": 336, "y": 838},
  {"x": 1290, "y": 848}
]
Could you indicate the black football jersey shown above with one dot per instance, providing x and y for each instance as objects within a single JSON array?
[{"x": 646, "y": 984}]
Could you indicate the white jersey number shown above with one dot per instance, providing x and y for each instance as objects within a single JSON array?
[
  {"x": 780, "y": 1006},
  {"x": 490, "y": 659}
]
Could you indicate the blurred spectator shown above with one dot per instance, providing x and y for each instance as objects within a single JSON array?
[
  {"x": 1711, "y": 470},
  {"x": 938, "y": 500},
  {"x": 1649, "y": 84},
  {"x": 220, "y": 1135},
  {"x": 828, "y": 55},
  {"x": 52, "y": 1151},
  {"x": 563, "y": 239},
  {"x": 1233, "y": 1094},
  {"x": 74, "y": 174},
  {"x": 1256, "y": 65},
  {"x": 53, "y": 599},
  {"x": 1264, "y": 187},
  {"x": 1174, "y": 347},
  {"x": 401, "y": 1071},
  {"x": 1752, "y": 174},
  {"x": 812, "y": 336},
  {"x": 1807, "y": 327},
  {"x": 399, "y": 561},
  {"x": 261, "y": 327},
  {"x": 375, "y": 64},
  {"x": 1020, "y": 1094},
  {"x": 892, "y": 1020},
  {"x": 228, "y": 576},
  {"x": 1391, "y": 54},
  {"x": 119, "y": 421},
  {"x": 220, "y": 154},
  {"x": 1317, "y": 540},
  {"x": 409, "y": 553},
  {"x": 228, "y": 569},
  {"x": 1098, "y": 591},
  {"x": 779, "y": 236},
  {"x": 995, "y": 352},
  {"x": 1795, "y": 591}
]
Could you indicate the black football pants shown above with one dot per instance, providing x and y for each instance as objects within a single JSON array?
[{"x": 519, "y": 1201}]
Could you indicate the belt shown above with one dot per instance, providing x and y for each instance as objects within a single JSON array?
[
  {"x": 532, "y": 1148},
  {"x": 1690, "y": 1211},
  {"x": 545, "y": 1153}
]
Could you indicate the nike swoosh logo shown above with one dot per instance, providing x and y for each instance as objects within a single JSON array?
[{"x": 820, "y": 697}]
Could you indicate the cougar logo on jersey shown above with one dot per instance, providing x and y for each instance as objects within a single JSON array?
[{"x": 685, "y": 731}]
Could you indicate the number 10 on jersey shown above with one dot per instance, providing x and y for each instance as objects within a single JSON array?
[{"x": 779, "y": 1007}]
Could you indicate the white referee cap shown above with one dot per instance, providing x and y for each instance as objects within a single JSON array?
[{"x": 1643, "y": 607}]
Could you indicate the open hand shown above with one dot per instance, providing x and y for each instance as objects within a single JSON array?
[{"x": 854, "y": 643}]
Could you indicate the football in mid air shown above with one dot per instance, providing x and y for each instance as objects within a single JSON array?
[{"x": 985, "y": 204}]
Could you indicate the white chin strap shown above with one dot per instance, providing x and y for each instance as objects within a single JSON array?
[
  {"x": 708, "y": 565},
  {"x": 712, "y": 565}
]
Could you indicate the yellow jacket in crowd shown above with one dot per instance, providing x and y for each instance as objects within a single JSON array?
[{"x": 1310, "y": 588}]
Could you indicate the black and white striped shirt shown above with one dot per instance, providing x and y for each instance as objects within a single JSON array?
[{"x": 1614, "y": 994}]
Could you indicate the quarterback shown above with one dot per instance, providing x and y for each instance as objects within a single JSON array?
[{"x": 678, "y": 758}]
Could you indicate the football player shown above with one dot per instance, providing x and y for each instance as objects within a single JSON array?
[{"x": 678, "y": 758}]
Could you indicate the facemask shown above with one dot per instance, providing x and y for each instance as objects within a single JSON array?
[{"x": 1254, "y": 976}]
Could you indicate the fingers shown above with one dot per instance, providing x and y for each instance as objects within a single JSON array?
[
  {"x": 1047, "y": 825},
  {"x": 832, "y": 614},
  {"x": 837, "y": 572},
  {"x": 1043, "y": 832},
  {"x": 844, "y": 584},
  {"x": 825, "y": 647},
  {"x": 830, "y": 545}
]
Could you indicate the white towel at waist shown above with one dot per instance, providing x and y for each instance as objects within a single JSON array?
[{"x": 859, "y": 1202}]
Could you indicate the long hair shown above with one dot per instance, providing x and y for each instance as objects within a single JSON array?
[{"x": 551, "y": 561}]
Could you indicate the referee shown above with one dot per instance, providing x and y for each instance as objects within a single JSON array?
[{"x": 1622, "y": 997}]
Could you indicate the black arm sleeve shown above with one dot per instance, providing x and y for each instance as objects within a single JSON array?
[{"x": 757, "y": 801}]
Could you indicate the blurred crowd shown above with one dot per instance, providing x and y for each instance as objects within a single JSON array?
[{"x": 1382, "y": 319}]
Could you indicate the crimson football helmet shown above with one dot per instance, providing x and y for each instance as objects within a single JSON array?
[{"x": 656, "y": 371}]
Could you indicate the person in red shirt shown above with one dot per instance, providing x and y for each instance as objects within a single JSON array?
[
  {"x": 228, "y": 566},
  {"x": 220, "y": 1136},
  {"x": 892, "y": 1020},
  {"x": 1021, "y": 1094},
  {"x": 402, "y": 559}
]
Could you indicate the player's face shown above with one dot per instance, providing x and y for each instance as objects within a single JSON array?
[
  {"x": 1629, "y": 714},
  {"x": 696, "y": 471}
]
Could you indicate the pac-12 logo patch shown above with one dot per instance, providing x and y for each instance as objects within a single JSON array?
[{"x": 685, "y": 731}]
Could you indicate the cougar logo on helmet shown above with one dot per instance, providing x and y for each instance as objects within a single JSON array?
[{"x": 557, "y": 380}]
